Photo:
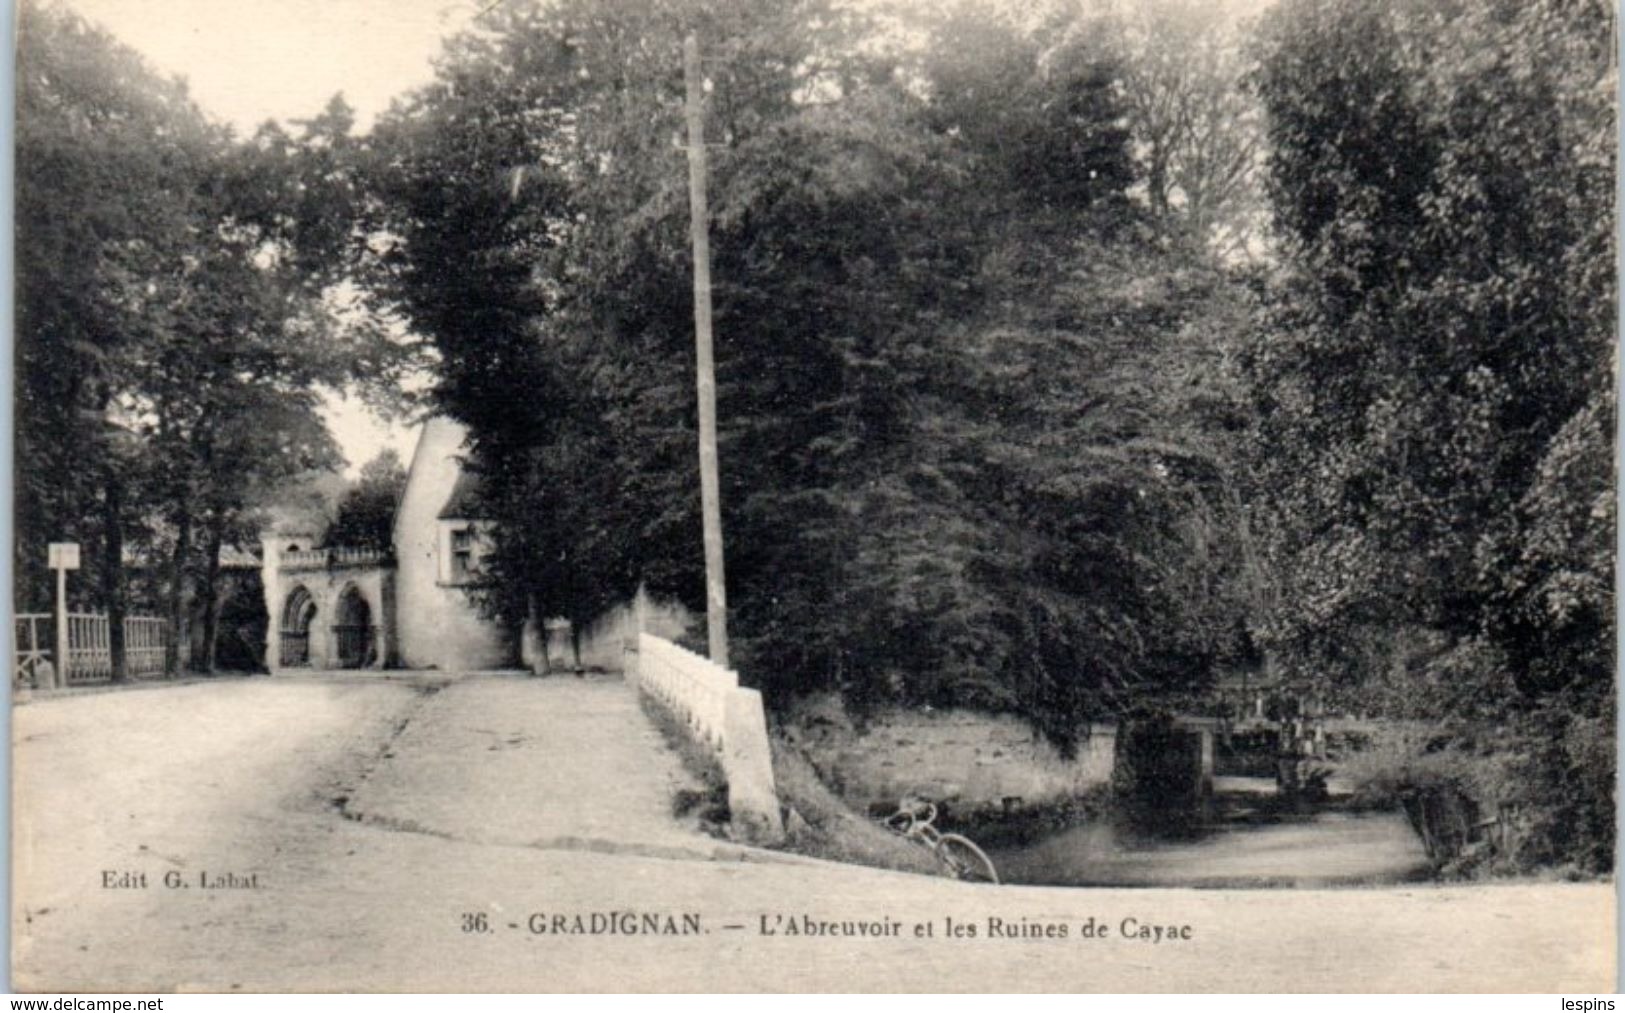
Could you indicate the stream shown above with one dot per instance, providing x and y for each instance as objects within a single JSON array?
[{"x": 1245, "y": 845}]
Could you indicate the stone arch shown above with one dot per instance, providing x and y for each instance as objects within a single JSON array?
[
  {"x": 298, "y": 614},
  {"x": 354, "y": 629}
]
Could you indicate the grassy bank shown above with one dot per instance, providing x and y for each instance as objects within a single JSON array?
[
  {"x": 824, "y": 826},
  {"x": 818, "y": 824},
  {"x": 1532, "y": 796}
]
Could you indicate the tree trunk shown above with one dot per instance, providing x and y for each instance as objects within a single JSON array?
[
  {"x": 1157, "y": 182},
  {"x": 538, "y": 631},
  {"x": 113, "y": 572},
  {"x": 177, "y": 594},
  {"x": 211, "y": 596}
]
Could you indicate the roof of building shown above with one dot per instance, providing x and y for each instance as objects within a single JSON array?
[
  {"x": 232, "y": 557},
  {"x": 464, "y": 502}
]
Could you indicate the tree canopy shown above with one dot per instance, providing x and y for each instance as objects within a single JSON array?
[
  {"x": 173, "y": 332},
  {"x": 1441, "y": 346},
  {"x": 1434, "y": 380},
  {"x": 365, "y": 518},
  {"x": 959, "y": 463}
]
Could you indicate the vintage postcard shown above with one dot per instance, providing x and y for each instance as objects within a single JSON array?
[{"x": 814, "y": 496}]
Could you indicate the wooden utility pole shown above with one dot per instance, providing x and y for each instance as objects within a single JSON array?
[{"x": 716, "y": 592}]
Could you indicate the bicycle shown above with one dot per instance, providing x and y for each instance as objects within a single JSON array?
[{"x": 915, "y": 819}]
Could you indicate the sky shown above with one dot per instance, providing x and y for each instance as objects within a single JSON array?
[{"x": 252, "y": 60}]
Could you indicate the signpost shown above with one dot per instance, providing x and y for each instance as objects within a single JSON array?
[{"x": 62, "y": 557}]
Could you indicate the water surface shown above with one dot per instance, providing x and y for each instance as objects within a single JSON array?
[{"x": 1330, "y": 848}]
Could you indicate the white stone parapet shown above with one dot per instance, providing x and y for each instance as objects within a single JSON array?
[
  {"x": 312, "y": 559},
  {"x": 689, "y": 686},
  {"x": 722, "y": 717}
]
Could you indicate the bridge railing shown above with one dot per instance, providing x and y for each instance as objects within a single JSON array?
[
  {"x": 690, "y": 687},
  {"x": 721, "y": 716}
]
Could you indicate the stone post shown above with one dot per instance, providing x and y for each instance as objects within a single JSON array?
[
  {"x": 1204, "y": 764},
  {"x": 271, "y": 585},
  {"x": 637, "y": 625},
  {"x": 388, "y": 625},
  {"x": 747, "y": 763},
  {"x": 1204, "y": 771}
]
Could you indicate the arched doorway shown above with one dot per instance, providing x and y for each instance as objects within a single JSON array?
[
  {"x": 353, "y": 633},
  {"x": 297, "y": 613}
]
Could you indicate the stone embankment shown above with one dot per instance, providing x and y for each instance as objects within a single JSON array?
[{"x": 967, "y": 760}]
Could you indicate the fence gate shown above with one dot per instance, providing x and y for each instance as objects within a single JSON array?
[
  {"x": 90, "y": 647},
  {"x": 31, "y": 638}
]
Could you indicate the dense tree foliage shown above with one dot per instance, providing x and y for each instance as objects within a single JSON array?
[
  {"x": 1441, "y": 361},
  {"x": 104, "y": 153},
  {"x": 1434, "y": 382},
  {"x": 365, "y": 517},
  {"x": 962, "y": 381},
  {"x": 171, "y": 332}
]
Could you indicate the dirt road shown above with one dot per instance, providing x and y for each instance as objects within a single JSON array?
[{"x": 510, "y": 834}]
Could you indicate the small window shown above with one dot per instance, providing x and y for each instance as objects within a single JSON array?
[{"x": 462, "y": 555}]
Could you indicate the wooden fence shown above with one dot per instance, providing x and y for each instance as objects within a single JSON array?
[{"x": 90, "y": 649}]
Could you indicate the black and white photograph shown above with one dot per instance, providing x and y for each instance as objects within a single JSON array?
[{"x": 785, "y": 496}]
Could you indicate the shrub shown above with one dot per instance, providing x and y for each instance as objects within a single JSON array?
[{"x": 1535, "y": 792}]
